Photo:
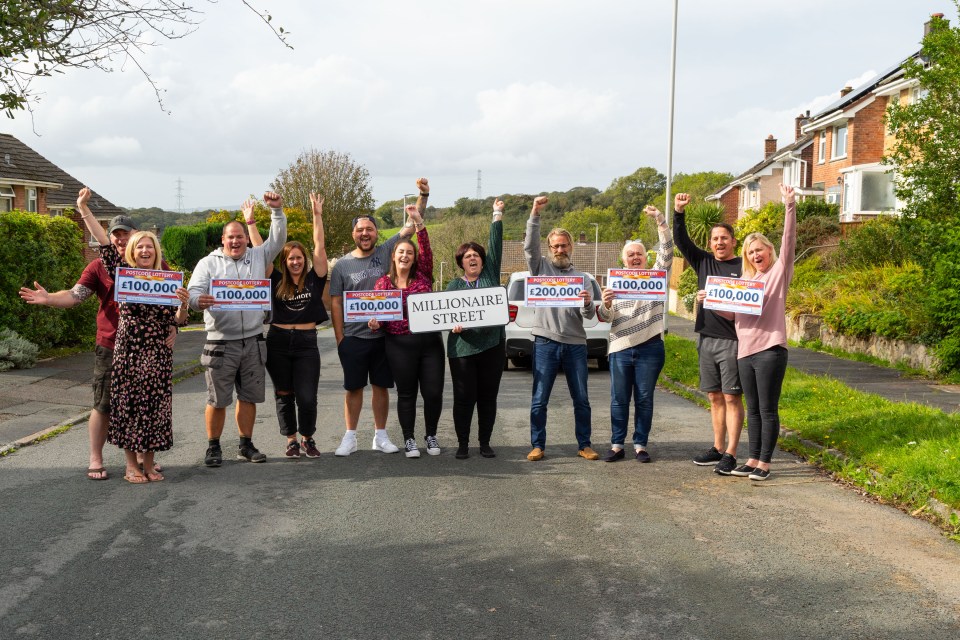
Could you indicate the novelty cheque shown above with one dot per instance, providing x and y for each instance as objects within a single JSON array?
[
  {"x": 637, "y": 284},
  {"x": 382, "y": 305},
  {"x": 147, "y": 286},
  {"x": 734, "y": 294},
  {"x": 240, "y": 295},
  {"x": 468, "y": 308},
  {"x": 554, "y": 291}
]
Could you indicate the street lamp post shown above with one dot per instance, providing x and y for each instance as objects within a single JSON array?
[
  {"x": 668, "y": 204},
  {"x": 440, "y": 286},
  {"x": 596, "y": 247}
]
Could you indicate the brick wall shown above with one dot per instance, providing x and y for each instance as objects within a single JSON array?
[
  {"x": 731, "y": 203},
  {"x": 866, "y": 134}
]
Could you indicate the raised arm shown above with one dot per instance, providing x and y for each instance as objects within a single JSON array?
[
  {"x": 319, "y": 249},
  {"x": 788, "y": 244},
  {"x": 96, "y": 231},
  {"x": 278, "y": 226},
  {"x": 531, "y": 243},
  {"x": 495, "y": 245},
  {"x": 665, "y": 252},
  {"x": 248, "y": 208},
  {"x": 688, "y": 249},
  {"x": 423, "y": 187}
]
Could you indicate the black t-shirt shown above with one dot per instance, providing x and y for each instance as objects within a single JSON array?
[
  {"x": 708, "y": 322},
  {"x": 304, "y": 307}
]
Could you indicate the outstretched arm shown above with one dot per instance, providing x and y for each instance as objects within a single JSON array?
[
  {"x": 319, "y": 250},
  {"x": 96, "y": 231},
  {"x": 247, "y": 208},
  {"x": 531, "y": 243},
  {"x": 665, "y": 252},
  {"x": 66, "y": 299},
  {"x": 278, "y": 226},
  {"x": 495, "y": 244},
  {"x": 424, "y": 189},
  {"x": 690, "y": 251}
]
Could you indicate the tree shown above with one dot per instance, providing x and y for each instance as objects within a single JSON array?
[
  {"x": 628, "y": 195},
  {"x": 43, "y": 37},
  {"x": 699, "y": 185},
  {"x": 610, "y": 229},
  {"x": 344, "y": 185},
  {"x": 388, "y": 211}
]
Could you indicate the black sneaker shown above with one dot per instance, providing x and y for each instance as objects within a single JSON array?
[
  {"x": 708, "y": 458},
  {"x": 310, "y": 448},
  {"x": 760, "y": 474},
  {"x": 250, "y": 453},
  {"x": 743, "y": 471},
  {"x": 214, "y": 456},
  {"x": 487, "y": 451},
  {"x": 726, "y": 465},
  {"x": 463, "y": 452},
  {"x": 293, "y": 450}
]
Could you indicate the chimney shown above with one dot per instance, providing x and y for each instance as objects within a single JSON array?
[
  {"x": 769, "y": 146},
  {"x": 928, "y": 25},
  {"x": 798, "y": 123},
  {"x": 847, "y": 89},
  {"x": 583, "y": 239}
]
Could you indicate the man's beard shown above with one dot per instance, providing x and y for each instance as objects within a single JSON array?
[{"x": 561, "y": 261}]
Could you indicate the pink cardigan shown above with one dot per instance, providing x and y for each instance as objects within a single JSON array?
[
  {"x": 423, "y": 283},
  {"x": 769, "y": 329}
]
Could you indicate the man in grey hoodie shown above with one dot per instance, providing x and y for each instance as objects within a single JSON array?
[
  {"x": 235, "y": 352},
  {"x": 559, "y": 337}
]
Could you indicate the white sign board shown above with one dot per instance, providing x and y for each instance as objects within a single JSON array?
[
  {"x": 468, "y": 308},
  {"x": 734, "y": 294}
]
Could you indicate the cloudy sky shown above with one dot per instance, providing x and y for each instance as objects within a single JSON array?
[{"x": 537, "y": 94}]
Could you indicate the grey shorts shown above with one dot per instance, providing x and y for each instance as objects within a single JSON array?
[
  {"x": 718, "y": 366},
  {"x": 233, "y": 364},
  {"x": 102, "y": 373}
]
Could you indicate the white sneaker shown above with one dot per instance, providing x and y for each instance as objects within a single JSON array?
[
  {"x": 433, "y": 446},
  {"x": 382, "y": 443},
  {"x": 410, "y": 445},
  {"x": 347, "y": 446}
]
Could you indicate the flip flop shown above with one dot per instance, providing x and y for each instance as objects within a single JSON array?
[
  {"x": 133, "y": 478},
  {"x": 155, "y": 477},
  {"x": 100, "y": 472},
  {"x": 156, "y": 467}
]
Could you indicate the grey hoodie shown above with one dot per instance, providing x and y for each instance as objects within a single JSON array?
[
  {"x": 234, "y": 325},
  {"x": 560, "y": 324}
]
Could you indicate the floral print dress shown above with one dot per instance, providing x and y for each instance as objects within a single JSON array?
[{"x": 141, "y": 394}]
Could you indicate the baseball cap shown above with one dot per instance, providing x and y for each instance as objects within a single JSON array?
[
  {"x": 364, "y": 217},
  {"x": 125, "y": 223}
]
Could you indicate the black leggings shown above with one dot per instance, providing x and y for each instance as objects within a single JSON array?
[
  {"x": 476, "y": 382},
  {"x": 293, "y": 362},
  {"x": 416, "y": 361},
  {"x": 761, "y": 376}
]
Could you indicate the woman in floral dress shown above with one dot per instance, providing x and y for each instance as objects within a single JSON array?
[{"x": 141, "y": 418}]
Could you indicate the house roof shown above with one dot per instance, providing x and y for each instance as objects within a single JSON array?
[
  {"x": 861, "y": 91},
  {"x": 19, "y": 164},
  {"x": 777, "y": 155},
  {"x": 607, "y": 257}
]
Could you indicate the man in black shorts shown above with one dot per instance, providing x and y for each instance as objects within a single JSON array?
[
  {"x": 717, "y": 346},
  {"x": 362, "y": 352}
]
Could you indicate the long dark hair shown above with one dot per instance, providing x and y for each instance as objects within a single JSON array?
[
  {"x": 288, "y": 289},
  {"x": 392, "y": 274}
]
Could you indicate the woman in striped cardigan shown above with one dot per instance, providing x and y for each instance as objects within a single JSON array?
[{"x": 636, "y": 348}]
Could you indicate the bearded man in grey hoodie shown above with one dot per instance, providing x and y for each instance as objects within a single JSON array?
[{"x": 235, "y": 352}]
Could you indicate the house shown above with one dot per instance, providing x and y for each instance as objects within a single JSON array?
[
  {"x": 30, "y": 182},
  {"x": 758, "y": 185}
]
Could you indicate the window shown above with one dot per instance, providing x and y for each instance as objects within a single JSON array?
[
  {"x": 32, "y": 200},
  {"x": 6, "y": 198},
  {"x": 918, "y": 94},
  {"x": 868, "y": 190},
  {"x": 822, "y": 154},
  {"x": 839, "y": 142}
]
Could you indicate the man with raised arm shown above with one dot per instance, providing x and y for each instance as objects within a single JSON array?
[
  {"x": 235, "y": 352},
  {"x": 717, "y": 346},
  {"x": 559, "y": 338},
  {"x": 362, "y": 351}
]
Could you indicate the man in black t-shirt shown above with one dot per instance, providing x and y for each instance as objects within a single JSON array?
[{"x": 717, "y": 345}]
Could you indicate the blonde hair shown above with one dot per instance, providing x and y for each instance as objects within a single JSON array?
[
  {"x": 559, "y": 231},
  {"x": 748, "y": 269},
  {"x": 623, "y": 252},
  {"x": 128, "y": 254}
]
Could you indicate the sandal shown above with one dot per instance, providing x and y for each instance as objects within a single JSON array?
[
  {"x": 134, "y": 478},
  {"x": 155, "y": 477},
  {"x": 97, "y": 475}
]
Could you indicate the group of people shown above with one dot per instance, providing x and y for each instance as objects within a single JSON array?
[{"x": 133, "y": 387}]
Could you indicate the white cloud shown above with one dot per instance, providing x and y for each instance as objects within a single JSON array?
[{"x": 114, "y": 147}]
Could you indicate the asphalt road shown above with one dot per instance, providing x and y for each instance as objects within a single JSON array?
[{"x": 379, "y": 546}]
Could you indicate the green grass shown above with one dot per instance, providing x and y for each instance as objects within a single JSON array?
[{"x": 903, "y": 453}]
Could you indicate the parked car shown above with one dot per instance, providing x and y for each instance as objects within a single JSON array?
[{"x": 520, "y": 339}]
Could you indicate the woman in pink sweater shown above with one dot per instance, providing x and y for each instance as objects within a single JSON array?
[{"x": 762, "y": 350}]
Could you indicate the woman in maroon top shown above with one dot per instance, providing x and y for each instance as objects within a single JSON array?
[{"x": 416, "y": 360}]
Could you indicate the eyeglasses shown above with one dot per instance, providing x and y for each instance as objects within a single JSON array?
[{"x": 559, "y": 246}]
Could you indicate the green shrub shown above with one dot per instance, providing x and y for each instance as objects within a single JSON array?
[
  {"x": 811, "y": 208},
  {"x": 184, "y": 245},
  {"x": 875, "y": 242},
  {"x": 16, "y": 352},
  {"x": 687, "y": 288},
  {"x": 815, "y": 232},
  {"x": 768, "y": 220},
  {"x": 701, "y": 217},
  {"x": 49, "y": 251}
]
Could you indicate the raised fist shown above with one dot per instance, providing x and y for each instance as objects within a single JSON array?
[
  {"x": 423, "y": 186},
  {"x": 680, "y": 201}
]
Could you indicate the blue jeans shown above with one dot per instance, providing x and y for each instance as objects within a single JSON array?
[
  {"x": 634, "y": 370},
  {"x": 548, "y": 356}
]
